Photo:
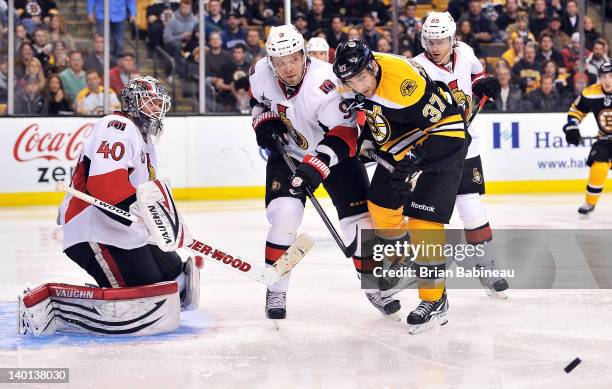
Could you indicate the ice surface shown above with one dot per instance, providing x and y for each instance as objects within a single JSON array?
[{"x": 333, "y": 337}]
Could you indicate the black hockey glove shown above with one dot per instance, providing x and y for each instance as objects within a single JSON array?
[
  {"x": 266, "y": 126},
  {"x": 309, "y": 174},
  {"x": 487, "y": 86},
  {"x": 407, "y": 171},
  {"x": 572, "y": 133}
]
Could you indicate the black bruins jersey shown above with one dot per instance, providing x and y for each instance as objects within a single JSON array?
[
  {"x": 593, "y": 99},
  {"x": 409, "y": 109}
]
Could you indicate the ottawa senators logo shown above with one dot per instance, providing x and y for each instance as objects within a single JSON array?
[
  {"x": 464, "y": 101},
  {"x": 378, "y": 124},
  {"x": 298, "y": 138},
  {"x": 476, "y": 176}
]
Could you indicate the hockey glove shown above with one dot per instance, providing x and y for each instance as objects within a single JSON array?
[
  {"x": 309, "y": 174},
  {"x": 572, "y": 133},
  {"x": 487, "y": 86},
  {"x": 407, "y": 172},
  {"x": 266, "y": 126}
]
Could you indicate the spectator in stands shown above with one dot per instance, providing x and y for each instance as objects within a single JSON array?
[
  {"x": 411, "y": 23},
  {"x": 545, "y": 98},
  {"x": 29, "y": 101},
  {"x": 214, "y": 20},
  {"x": 301, "y": 23},
  {"x": 271, "y": 9},
  {"x": 538, "y": 21},
  {"x": 178, "y": 30},
  {"x": 123, "y": 72},
  {"x": 551, "y": 68},
  {"x": 369, "y": 31},
  {"x": 507, "y": 16},
  {"x": 510, "y": 96},
  {"x": 233, "y": 34},
  {"x": 521, "y": 29},
  {"x": 240, "y": 79},
  {"x": 465, "y": 35},
  {"x": 3, "y": 79},
  {"x": 73, "y": 78},
  {"x": 90, "y": 100},
  {"x": 375, "y": 8},
  {"x": 57, "y": 32},
  {"x": 569, "y": 22},
  {"x": 407, "y": 53},
  {"x": 384, "y": 46},
  {"x": 254, "y": 14},
  {"x": 32, "y": 12},
  {"x": 120, "y": 11},
  {"x": 238, "y": 68},
  {"x": 484, "y": 29},
  {"x": 353, "y": 34},
  {"x": 579, "y": 82},
  {"x": 335, "y": 34},
  {"x": 158, "y": 16},
  {"x": 338, "y": 7},
  {"x": 546, "y": 50},
  {"x": 316, "y": 16},
  {"x": 555, "y": 7},
  {"x": 515, "y": 53},
  {"x": 217, "y": 59},
  {"x": 560, "y": 39},
  {"x": 95, "y": 58},
  {"x": 33, "y": 69},
  {"x": 255, "y": 46},
  {"x": 237, "y": 7},
  {"x": 590, "y": 33},
  {"x": 21, "y": 35},
  {"x": 597, "y": 57},
  {"x": 60, "y": 55},
  {"x": 56, "y": 99},
  {"x": 527, "y": 72},
  {"x": 571, "y": 53},
  {"x": 24, "y": 55},
  {"x": 42, "y": 49}
]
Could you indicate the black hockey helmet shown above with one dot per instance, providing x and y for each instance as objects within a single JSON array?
[
  {"x": 605, "y": 67},
  {"x": 351, "y": 58}
]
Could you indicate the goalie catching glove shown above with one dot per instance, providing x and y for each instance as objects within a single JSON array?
[{"x": 155, "y": 206}]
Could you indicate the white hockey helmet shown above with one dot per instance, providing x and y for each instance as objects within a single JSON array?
[
  {"x": 438, "y": 25},
  {"x": 317, "y": 44},
  {"x": 284, "y": 40}
]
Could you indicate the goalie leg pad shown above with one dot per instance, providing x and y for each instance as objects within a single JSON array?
[
  {"x": 146, "y": 310},
  {"x": 190, "y": 296}
]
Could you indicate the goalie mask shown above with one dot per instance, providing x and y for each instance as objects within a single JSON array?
[{"x": 146, "y": 101}]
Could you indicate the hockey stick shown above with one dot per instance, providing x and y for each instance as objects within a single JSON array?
[
  {"x": 347, "y": 251},
  {"x": 605, "y": 137},
  {"x": 266, "y": 276}
]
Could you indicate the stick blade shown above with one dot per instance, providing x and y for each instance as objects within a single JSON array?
[{"x": 294, "y": 254}]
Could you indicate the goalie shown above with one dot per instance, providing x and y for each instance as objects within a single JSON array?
[{"x": 149, "y": 281}]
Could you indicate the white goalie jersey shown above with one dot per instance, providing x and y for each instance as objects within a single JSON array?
[
  {"x": 459, "y": 75},
  {"x": 309, "y": 112},
  {"x": 114, "y": 161}
]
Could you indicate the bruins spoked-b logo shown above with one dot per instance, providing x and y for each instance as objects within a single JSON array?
[
  {"x": 378, "y": 124},
  {"x": 298, "y": 138},
  {"x": 605, "y": 119}
]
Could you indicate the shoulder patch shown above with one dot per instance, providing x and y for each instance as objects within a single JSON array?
[
  {"x": 407, "y": 87},
  {"x": 327, "y": 86},
  {"x": 116, "y": 124}
]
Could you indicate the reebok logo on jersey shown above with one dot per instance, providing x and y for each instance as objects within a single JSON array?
[{"x": 423, "y": 207}]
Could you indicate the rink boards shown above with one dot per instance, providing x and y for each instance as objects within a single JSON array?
[{"x": 216, "y": 157}]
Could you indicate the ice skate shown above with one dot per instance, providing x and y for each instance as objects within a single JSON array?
[
  {"x": 387, "y": 306},
  {"x": 276, "y": 307},
  {"x": 428, "y": 315}
]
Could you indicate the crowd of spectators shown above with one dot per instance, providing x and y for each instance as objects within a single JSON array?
[{"x": 536, "y": 46}]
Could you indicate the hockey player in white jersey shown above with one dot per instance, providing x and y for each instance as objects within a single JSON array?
[
  {"x": 148, "y": 284},
  {"x": 296, "y": 97},
  {"x": 455, "y": 64},
  {"x": 317, "y": 47}
]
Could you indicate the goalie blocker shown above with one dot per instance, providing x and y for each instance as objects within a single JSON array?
[{"x": 145, "y": 310}]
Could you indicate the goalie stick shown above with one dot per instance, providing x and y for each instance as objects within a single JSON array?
[
  {"x": 266, "y": 276},
  {"x": 349, "y": 250}
]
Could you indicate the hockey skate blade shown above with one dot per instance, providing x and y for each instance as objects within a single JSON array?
[
  {"x": 497, "y": 295},
  {"x": 276, "y": 324},
  {"x": 294, "y": 254},
  {"x": 393, "y": 317},
  {"x": 435, "y": 323}
]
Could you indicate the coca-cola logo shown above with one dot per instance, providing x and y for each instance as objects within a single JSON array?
[{"x": 33, "y": 144}]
